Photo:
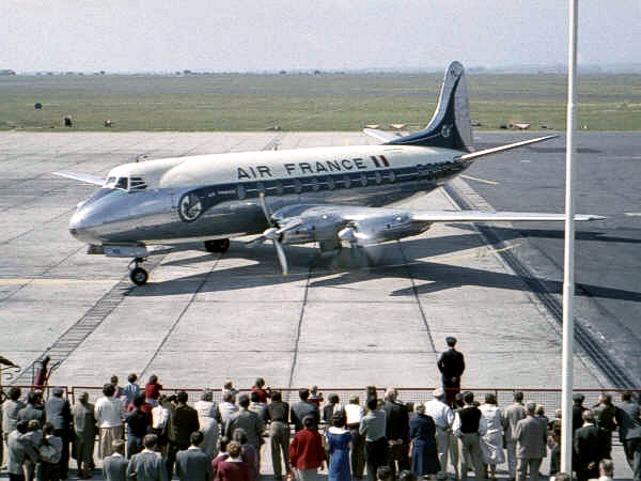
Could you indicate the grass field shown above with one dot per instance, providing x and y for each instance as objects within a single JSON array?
[{"x": 306, "y": 102}]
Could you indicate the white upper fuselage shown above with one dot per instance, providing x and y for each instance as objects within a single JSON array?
[{"x": 196, "y": 171}]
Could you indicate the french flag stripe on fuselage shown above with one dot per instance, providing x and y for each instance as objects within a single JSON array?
[{"x": 376, "y": 161}]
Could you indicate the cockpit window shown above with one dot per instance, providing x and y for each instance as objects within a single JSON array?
[
  {"x": 110, "y": 182},
  {"x": 122, "y": 183}
]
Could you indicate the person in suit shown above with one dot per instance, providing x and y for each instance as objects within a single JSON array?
[
  {"x": 84, "y": 425},
  {"x": 531, "y": 437},
  {"x": 114, "y": 467},
  {"x": 58, "y": 413},
  {"x": 183, "y": 421},
  {"x": 451, "y": 364},
  {"x": 304, "y": 408},
  {"x": 397, "y": 432},
  {"x": 588, "y": 448},
  {"x": 577, "y": 411},
  {"x": 333, "y": 406},
  {"x": 513, "y": 414},
  {"x": 147, "y": 465},
  {"x": 34, "y": 409},
  {"x": 194, "y": 464},
  {"x": 373, "y": 428},
  {"x": 629, "y": 422},
  {"x": 19, "y": 450},
  {"x": 246, "y": 420}
]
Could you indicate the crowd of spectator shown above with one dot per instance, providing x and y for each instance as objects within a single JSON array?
[{"x": 149, "y": 434}]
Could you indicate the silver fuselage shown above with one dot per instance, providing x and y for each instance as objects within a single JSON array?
[{"x": 217, "y": 196}]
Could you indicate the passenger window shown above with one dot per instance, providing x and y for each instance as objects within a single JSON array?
[
  {"x": 330, "y": 183},
  {"x": 391, "y": 175},
  {"x": 377, "y": 177},
  {"x": 261, "y": 188},
  {"x": 347, "y": 181},
  {"x": 298, "y": 186},
  {"x": 315, "y": 184},
  {"x": 242, "y": 193},
  {"x": 279, "y": 188},
  {"x": 363, "y": 180}
]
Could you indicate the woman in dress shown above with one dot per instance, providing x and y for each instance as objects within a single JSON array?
[
  {"x": 338, "y": 442},
  {"x": 492, "y": 440},
  {"x": 423, "y": 436},
  {"x": 208, "y": 416}
]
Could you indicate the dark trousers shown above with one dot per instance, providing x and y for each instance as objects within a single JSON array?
[
  {"x": 172, "y": 451},
  {"x": 398, "y": 453},
  {"x": 16, "y": 477},
  {"x": 134, "y": 445},
  {"x": 451, "y": 388},
  {"x": 64, "y": 458},
  {"x": 632, "y": 449},
  {"x": 376, "y": 456},
  {"x": 49, "y": 472},
  {"x": 358, "y": 451},
  {"x": 279, "y": 440}
]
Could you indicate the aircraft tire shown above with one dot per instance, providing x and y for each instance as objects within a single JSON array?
[
  {"x": 217, "y": 245},
  {"x": 139, "y": 276}
]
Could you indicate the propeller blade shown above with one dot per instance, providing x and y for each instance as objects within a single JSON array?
[
  {"x": 280, "y": 252},
  {"x": 256, "y": 242},
  {"x": 268, "y": 214}
]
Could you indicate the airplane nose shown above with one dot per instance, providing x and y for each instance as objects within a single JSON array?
[{"x": 79, "y": 227}]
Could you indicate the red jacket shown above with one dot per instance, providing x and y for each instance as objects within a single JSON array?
[{"x": 306, "y": 450}]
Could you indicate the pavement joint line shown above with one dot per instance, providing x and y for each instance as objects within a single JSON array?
[
  {"x": 298, "y": 330},
  {"x": 191, "y": 300},
  {"x": 179, "y": 318},
  {"x": 48, "y": 221},
  {"x": 592, "y": 349},
  {"x": 417, "y": 298},
  {"x": 48, "y": 269}
]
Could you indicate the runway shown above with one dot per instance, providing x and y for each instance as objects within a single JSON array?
[{"x": 204, "y": 318}]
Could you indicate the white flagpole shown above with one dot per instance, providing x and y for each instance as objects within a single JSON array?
[{"x": 568, "y": 266}]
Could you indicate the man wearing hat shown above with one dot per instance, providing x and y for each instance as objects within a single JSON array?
[
  {"x": 443, "y": 417},
  {"x": 451, "y": 364}
]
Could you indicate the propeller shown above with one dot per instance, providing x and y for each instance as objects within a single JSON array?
[
  {"x": 273, "y": 234},
  {"x": 358, "y": 253}
]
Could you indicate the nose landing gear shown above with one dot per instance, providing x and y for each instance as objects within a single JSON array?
[{"x": 137, "y": 274}]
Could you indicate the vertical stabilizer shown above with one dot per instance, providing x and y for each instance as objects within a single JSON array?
[{"x": 450, "y": 126}]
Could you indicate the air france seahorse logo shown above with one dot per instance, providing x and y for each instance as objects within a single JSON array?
[{"x": 190, "y": 207}]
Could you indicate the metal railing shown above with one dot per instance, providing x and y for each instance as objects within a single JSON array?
[{"x": 549, "y": 398}]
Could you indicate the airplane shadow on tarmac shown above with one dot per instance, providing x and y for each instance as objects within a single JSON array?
[{"x": 392, "y": 260}]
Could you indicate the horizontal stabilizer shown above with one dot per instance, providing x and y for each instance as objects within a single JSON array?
[
  {"x": 503, "y": 148},
  {"x": 479, "y": 216},
  {"x": 382, "y": 135},
  {"x": 86, "y": 178}
]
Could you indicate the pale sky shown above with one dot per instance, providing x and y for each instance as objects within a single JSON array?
[{"x": 251, "y": 35}]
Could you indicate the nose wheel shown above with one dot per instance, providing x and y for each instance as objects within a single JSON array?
[{"x": 137, "y": 274}]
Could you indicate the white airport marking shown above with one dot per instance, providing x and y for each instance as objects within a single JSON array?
[
  {"x": 489, "y": 182},
  {"x": 633, "y": 214}
]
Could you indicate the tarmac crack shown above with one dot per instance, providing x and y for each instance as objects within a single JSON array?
[
  {"x": 299, "y": 329},
  {"x": 417, "y": 298}
]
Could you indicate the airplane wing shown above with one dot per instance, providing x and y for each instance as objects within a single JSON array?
[
  {"x": 365, "y": 226},
  {"x": 86, "y": 178},
  {"x": 479, "y": 216},
  {"x": 382, "y": 135}
]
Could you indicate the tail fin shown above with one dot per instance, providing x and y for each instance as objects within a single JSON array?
[{"x": 450, "y": 126}]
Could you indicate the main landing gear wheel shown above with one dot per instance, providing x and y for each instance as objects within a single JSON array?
[
  {"x": 138, "y": 275},
  {"x": 217, "y": 245}
]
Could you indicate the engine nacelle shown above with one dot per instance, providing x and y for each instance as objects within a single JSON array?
[
  {"x": 388, "y": 227},
  {"x": 314, "y": 228}
]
